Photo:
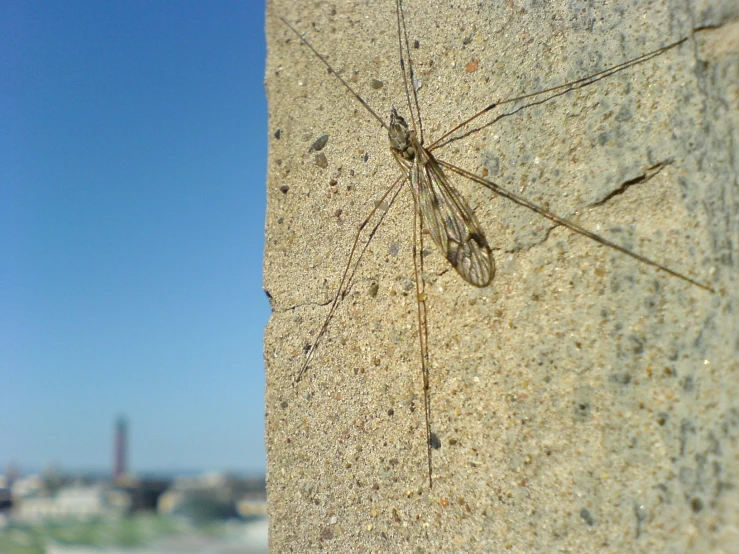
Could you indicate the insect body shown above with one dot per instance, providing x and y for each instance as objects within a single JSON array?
[{"x": 444, "y": 213}]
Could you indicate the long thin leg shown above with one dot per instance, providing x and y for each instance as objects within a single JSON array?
[
  {"x": 404, "y": 51},
  {"x": 521, "y": 201},
  {"x": 561, "y": 89},
  {"x": 423, "y": 332},
  {"x": 347, "y": 276},
  {"x": 339, "y": 77}
]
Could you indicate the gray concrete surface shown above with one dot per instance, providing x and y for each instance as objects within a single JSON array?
[{"x": 585, "y": 402}]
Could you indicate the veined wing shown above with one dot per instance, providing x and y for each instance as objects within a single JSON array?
[{"x": 450, "y": 221}]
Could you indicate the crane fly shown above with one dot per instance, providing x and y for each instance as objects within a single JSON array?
[{"x": 439, "y": 209}]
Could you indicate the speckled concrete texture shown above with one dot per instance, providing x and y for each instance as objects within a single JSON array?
[{"x": 585, "y": 402}]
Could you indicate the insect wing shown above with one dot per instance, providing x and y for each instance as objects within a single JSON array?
[{"x": 450, "y": 222}]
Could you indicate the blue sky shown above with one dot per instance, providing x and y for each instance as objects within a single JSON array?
[{"x": 133, "y": 151}]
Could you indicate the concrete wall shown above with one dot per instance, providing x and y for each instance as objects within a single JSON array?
[{"x": 584, "y": 401}]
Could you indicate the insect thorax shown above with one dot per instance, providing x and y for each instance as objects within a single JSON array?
[{"x": 401, "y": 137}]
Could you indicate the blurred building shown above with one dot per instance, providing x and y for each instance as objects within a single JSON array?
[
  {"x": 214, "y": 496},
  {"x": 76, "y": 501},
  {"x": 120, "y": 449}
]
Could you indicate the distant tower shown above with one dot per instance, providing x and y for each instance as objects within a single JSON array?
[{"x": 119, "y": 455}]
